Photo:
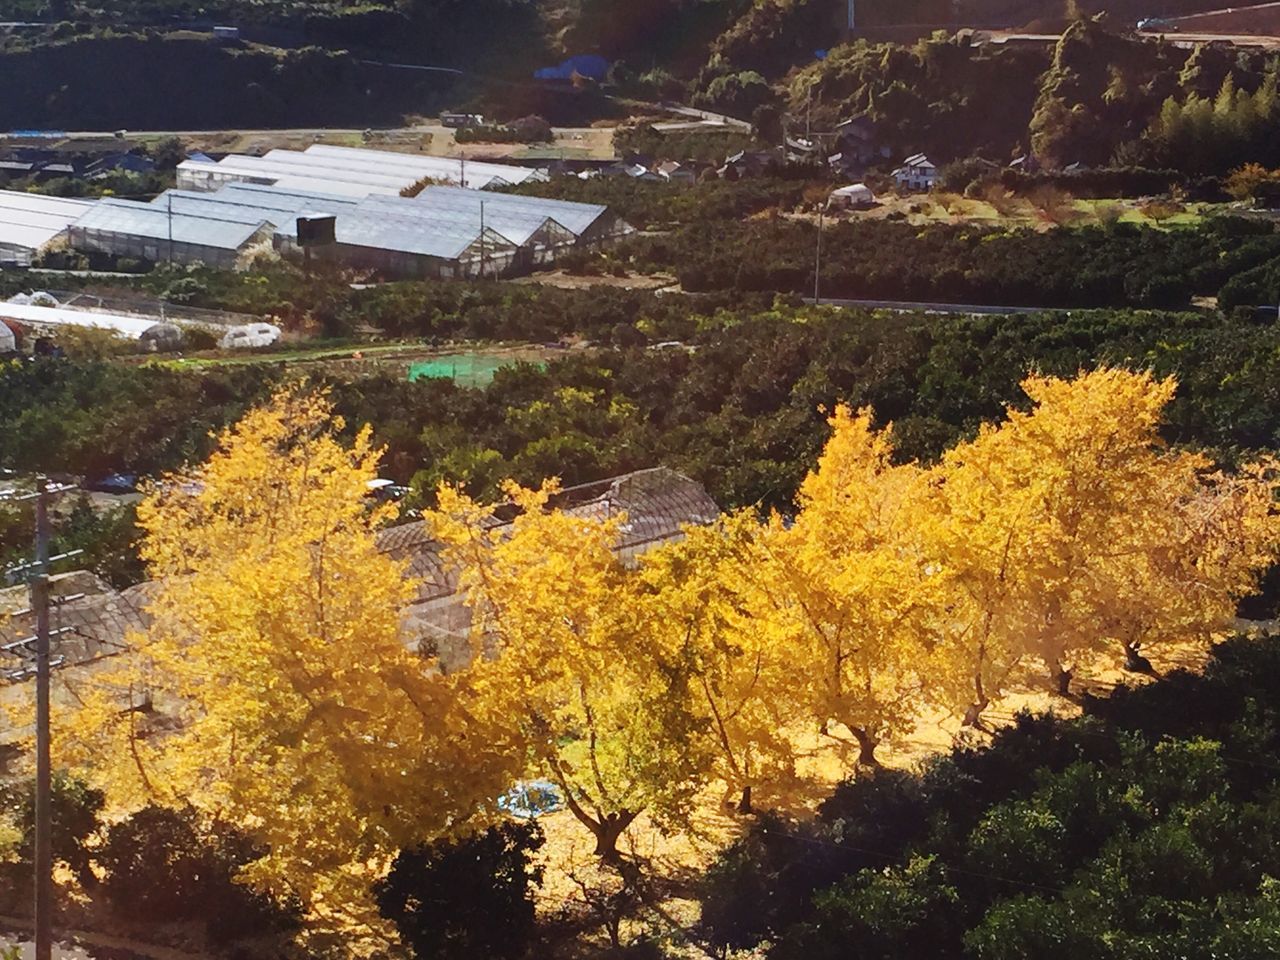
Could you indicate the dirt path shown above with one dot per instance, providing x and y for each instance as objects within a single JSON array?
[{"x": 87, "y": 938}]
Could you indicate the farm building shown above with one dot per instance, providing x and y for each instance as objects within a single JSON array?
[
  {"x": 591, "y": 224},
  {"x": 348, "y": 171},
  {"x": 30, "y": 222},
  {"x": 443, "y": 232},
  {"x": 125, "y": 228},
  {"x": 540, "y": 237},
  {"x": 387, "y": 234}
]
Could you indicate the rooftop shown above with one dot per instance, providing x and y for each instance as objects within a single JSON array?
[{"x": 225, "y": 229}]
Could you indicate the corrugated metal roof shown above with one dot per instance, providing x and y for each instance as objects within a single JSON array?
[
  {"x": 226, "y": 231},
  {"x": 577, "y": 217}
]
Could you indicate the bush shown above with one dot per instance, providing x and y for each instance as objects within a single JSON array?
[
  {"x": 1147, "y": 827},
  {"x": 465, "y": 898},
  {"x": 76, "y": 813},
  {"x": 167, "y": 866}
]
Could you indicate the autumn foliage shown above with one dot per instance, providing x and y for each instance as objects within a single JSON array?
[{"x": 276, "y": 687}]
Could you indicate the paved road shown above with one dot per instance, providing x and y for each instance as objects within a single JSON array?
[
  {"x": 921, "y": 306},
  {"x": 1175, "y": 38}
]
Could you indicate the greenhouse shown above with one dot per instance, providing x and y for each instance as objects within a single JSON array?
[
  {"x": 29, "y": 222},
  {"x": 591, "y": 224},
  {"x": 348, "y": 171},
  {"x": 125, "y": 228}
]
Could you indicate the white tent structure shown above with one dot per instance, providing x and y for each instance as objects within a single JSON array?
[
  {"x": 851, "y": 197},
  {"x": 50, "y": 319}
]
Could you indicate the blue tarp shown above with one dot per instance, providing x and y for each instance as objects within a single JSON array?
[
  {"x": 531, "y": 798},
  {"x": 587, "y": 65}
]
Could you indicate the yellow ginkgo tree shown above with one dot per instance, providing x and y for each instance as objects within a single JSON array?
[
  {"x": 1070, "y": 528},
  {"x": 844, "y": 595},
  {"x": 703, "y": 591},
  {"x": 590, "y": 692},
  {"x": 273, "y": 687}
]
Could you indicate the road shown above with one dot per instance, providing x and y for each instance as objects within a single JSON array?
[
  {"x": 1175, "y": 38},
  {"x": 921, "y": 306}
]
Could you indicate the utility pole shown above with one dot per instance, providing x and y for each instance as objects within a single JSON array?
[
  {"x": 169, "y": 207},
  {"x": 44, "y": 788},
  {"x": 37, "y": 573},
  {"x": 817, "y": 262},
  {"x": 481, "y": 239}
]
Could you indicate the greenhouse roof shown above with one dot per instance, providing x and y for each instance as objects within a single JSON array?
[
  {"x": 445, "y": 167},
  {"x": 516, "y": 226},
  {"x": 576, "y": 217},
  {"x": 385, "y": 232},
  {"x": 31, "y": 220},
  {"x": 280, "y": 209},
  {"x": 228, "y": 230}
]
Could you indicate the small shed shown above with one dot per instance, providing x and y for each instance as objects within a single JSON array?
[{"x": 856, "y": 196}]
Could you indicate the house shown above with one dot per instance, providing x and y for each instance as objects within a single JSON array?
[
  {"x": 801, "y": 149},
  {"x": 917, "y": 172},
  {"x": 119, "y": 163},
  {"x": 859, "y": 143},
  {"x": 744, "y": 163},
  {"x": 675, "y": 172},
  {"x": 638, "y": 171},
  {"x": 856, "y": 196}
]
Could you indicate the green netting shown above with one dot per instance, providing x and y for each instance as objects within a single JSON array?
[{"x": 468, "y": 369}]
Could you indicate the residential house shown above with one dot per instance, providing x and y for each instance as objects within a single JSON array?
[
  {"x": 858, "y": 143},
  {"x": 675, "y": 172},
  {"x": 119, "y": 163},
  {"x": 917, "y": 172},
  {"x": 749, "y": 163}
]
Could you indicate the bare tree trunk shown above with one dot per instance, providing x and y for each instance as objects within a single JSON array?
[
  {"x": 606, "y": 828},
  {"x": 607, "y": 831},
  {"x": 1135, "y": 662},
  {"x": 744, "y": 805},
  {"x": 866, "y": 747},
  {"x": 1061, "y": 680},
  {"x": 973, "y": 714}
]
